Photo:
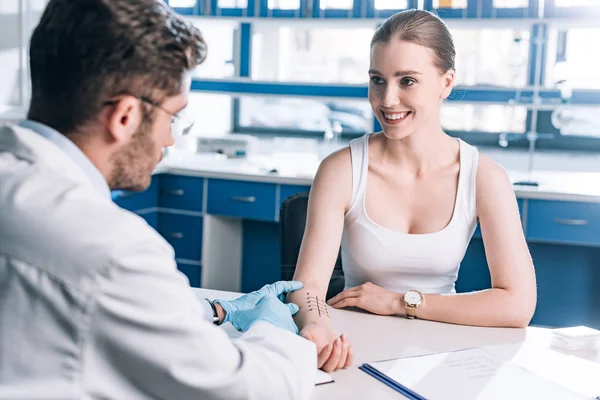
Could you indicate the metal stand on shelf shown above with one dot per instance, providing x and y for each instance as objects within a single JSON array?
[
  {"x": 531, "y": 137},
  {"x": 532, "y": 134}
]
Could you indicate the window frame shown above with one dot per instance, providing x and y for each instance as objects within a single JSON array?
[{"x": 484, "y": 16}]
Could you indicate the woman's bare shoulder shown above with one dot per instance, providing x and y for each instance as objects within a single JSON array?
[
  {"x": 334, "y": 176},
  {"x": 490, "y": 173}
]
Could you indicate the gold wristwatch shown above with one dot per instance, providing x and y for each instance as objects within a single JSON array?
[{"x": 412, "y": 300}]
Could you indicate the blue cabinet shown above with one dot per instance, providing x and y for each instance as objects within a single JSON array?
[
  {"x": 151, "y": 218},
  {"x": 473, "y": 273},
  {"x": 138, "y": 201},
  {"x": 261, "y": 262},
  {"x": 175, "y": 206},
  {"x": 159, "y": 206},
  {"x": 181, "y": 193},
  {"x": 142, "y": 203},
  {"x": 564, "y": 222},
  {"x": 181, "y": 205},
  {"x": 567, "y": 282},
  {"x": 184, "y": 233},
  {"x": 261, "y": 254},
  {"x": 193, "y": 273},
  {"x": 249, "y": 200},
  {"x": 564, "y": 241}
]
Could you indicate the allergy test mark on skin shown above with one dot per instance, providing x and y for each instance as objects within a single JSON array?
[{"x": 317, "y": 304}]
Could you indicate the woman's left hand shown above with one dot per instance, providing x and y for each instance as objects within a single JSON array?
[{"x": 371, "y": 298}]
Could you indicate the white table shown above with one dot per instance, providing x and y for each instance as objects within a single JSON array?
[{"x": 376, "y": 338}]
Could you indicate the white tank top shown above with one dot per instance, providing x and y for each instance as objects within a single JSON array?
[{"x": 399, "y": 261}]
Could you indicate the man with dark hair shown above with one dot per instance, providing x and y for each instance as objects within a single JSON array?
[{"x": 91, "y": 303}]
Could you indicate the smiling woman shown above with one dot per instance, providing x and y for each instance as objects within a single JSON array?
[{"x": 404, "y": 204}]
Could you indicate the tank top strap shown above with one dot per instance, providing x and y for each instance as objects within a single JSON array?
[
  {"x": 469, "y": 159},
  {"x": 359, "y": 153}
]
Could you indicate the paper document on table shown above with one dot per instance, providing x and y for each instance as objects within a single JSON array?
[
  {"x": 578, "y": 374},
  {"x": 465, "y": 375},
  {"x": 323, "y": 377}
]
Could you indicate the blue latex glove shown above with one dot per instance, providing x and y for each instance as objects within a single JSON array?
[
  {"x": 269, "y": 309},
  {"x": 250, "y": 300}
]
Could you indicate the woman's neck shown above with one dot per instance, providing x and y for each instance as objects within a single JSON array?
[{"x": 419, "y": 152}]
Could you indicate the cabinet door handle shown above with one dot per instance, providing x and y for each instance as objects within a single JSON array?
[
  {"x": 174, "y": 235},
  {"x": 177, "y": 192},
  {"x": 243, "y": 199},
  {"x": 572, "y": 222}
]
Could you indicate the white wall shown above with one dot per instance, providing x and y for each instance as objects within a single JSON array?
[{"x": 18, "y": 18}]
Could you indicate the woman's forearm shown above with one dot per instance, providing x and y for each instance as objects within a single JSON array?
[
  {"x": 492, "y": 307},
  {"x": 313, "y": 308}
]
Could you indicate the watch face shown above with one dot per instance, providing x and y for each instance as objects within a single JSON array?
[{"x": 413, "y": 298}]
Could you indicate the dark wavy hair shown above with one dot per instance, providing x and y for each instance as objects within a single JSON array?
[{"x": 85, "y": 52}]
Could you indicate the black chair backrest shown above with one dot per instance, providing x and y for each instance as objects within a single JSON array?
[{"x": 292, "y": 221}]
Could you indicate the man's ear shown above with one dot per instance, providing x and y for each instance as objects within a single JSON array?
[
  {"x": 123, "y": 118},
  {"x": 448, "y": 82}
]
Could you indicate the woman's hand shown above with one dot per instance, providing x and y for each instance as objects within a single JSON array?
[
  {"x": 371, "y": 298},
  {"x": 334, "y": 352}
]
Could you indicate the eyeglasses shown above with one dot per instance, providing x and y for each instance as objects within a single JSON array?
[{"x": 180, "y": 126}]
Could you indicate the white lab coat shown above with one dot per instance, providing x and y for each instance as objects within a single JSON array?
[{"x": 93, "y": 307}]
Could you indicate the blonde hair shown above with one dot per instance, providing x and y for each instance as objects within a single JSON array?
[{"x": 422, "y": 28}]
